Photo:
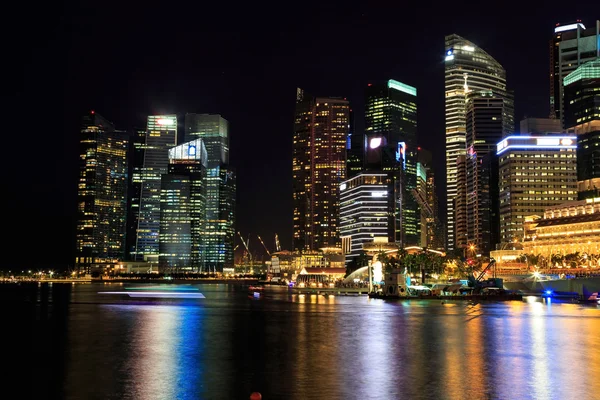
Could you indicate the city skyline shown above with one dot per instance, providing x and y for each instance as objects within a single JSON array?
[{"x": 263, "y": 203}]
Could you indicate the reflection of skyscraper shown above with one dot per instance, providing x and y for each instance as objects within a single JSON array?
[
  {"x": 582, "y": 116},
  {"x": 391, "y": 135},
  {"x": 182, "y": 208},
  {"x": 468, "y": 68},
  {"x": 319, "y": 165},
  {"x": 571, "y": 46},
  {"x": 102, "y": 192},
  {"x": 219, "y": 230},
  {"x": 161, "y": 135}
]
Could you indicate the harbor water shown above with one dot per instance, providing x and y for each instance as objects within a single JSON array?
[{"x": 73, "y": 342}]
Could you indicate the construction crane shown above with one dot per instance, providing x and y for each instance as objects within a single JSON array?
[
  {"x": 277, "y": 245},
  {"x": 245, "y": 243},
  {"x": 263, "y": 243},
  {"x": 427, "y": 210}
]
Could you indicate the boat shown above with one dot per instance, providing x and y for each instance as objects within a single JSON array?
[{"x": 256, "y": 292}]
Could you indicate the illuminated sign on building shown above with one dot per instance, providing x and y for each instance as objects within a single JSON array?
[
  {"x": 343, "y": 186},
  {"x": 165, "y": 121},
  {"x": 401, "y": 153},
  {"x": 379, "y": 193},
  {"x": 375, "y": 142},
  {"x": 194, "y": 150},
  {"x": 536, "y": 142}
]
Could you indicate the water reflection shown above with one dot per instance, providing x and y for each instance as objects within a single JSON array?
[{"x": 322, "y": 347}]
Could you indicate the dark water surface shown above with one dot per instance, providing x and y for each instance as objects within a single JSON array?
[{"x": 288, "y": 346}]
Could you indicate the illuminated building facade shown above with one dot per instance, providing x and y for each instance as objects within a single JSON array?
[
  {"x": 182, "y": 208},
  {"x": 101, "y": 193},
  {"x": 288, "y": 264},
  {"x": 582, "y": 117},
  {"x": 460, "y": 204},
  {"x": 134, "y": 192},
  {"x": 219, "y": 229},
  {"x": 571, "y": 46},
  {"x": 535, "y": 172},
  {"x": 467, "y": 68},
  {"x": 161, "y": 135},
  {"x": 485, "y": 126},
  {"x": 431, "y": 229},
  {"x": 391, "y": 138},
  {"x": 566, "y": 228},
  {"x": 366, "y": 211},
  {"x": 318, "y": 168}
]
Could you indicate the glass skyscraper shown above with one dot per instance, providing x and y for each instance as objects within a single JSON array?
[
  {"x": 102, "y": 192},
  {"x": 318, "y": 167},
  {"x": 161, "y": 135},
  {"x": 582, "y": 117},
  {"x": 182, "y": 208},
  {"x": 572, "y": 45},
  {"x": 467, "y": 68},
  {"x": 219, "y": 229},
  {"x": 391, "y": 137}
]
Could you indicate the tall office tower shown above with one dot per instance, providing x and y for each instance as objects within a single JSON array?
[
  {"x": 485, "y": 117},
  {"x": 161, "y": 135},
  {"x": 582, "y": 117},
  {"x": 318, "y": 167},
  {"x": 366, "y": 206},
  {"x": 468, "y": 68},
  {"x": 219, "y": 231},
  {"x": 391, "y": 136},
  {"x": 102, "y": 192},
  {"x": 535, "y": 172},
  {"x": 571, "y": 46},
  {"x": 355, "y": 149},
  {"x": 460, "y": 204},
  {"x": 540, "y": 126},
  {"x": 426, "y": 197},
  {"x": 137, "y": 147},
  {"x": 182, "y": 208}
]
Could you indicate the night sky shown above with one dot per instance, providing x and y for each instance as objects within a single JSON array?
[{"x": 243, "y": 61}]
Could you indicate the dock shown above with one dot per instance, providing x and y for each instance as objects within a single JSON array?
[
  {"x": 339, "y": 291},
  {"x": 468, "y": 297}
]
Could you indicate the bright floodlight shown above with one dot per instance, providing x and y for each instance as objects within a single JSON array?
[{"x": 375, "y": 142}]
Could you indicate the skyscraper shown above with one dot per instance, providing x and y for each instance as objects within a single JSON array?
[
  {"x": 467, "y": 68},
  {"x": 102, "y": 192},
  {"x": 391, "y": 136},
  {"x": 318, "y": 167},
  {"x": 219, "y": 229},
  {"x": 366, "y": 211},
  {"x": 355, "y": 149},
  {"x": 182, "y": 208},
  {"x": 161, "y": 135},
  {"x": 571, "y": 46},
  {"x": 582, "y": 117},
  {"x": 540, "y": 126},
  {"x": 485, "y": 115},
  {"x": 535, "y": 172},
  {"x": 137, "y": 148}
]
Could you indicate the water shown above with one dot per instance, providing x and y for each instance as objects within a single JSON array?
[{"x": 289, "y": 346}]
